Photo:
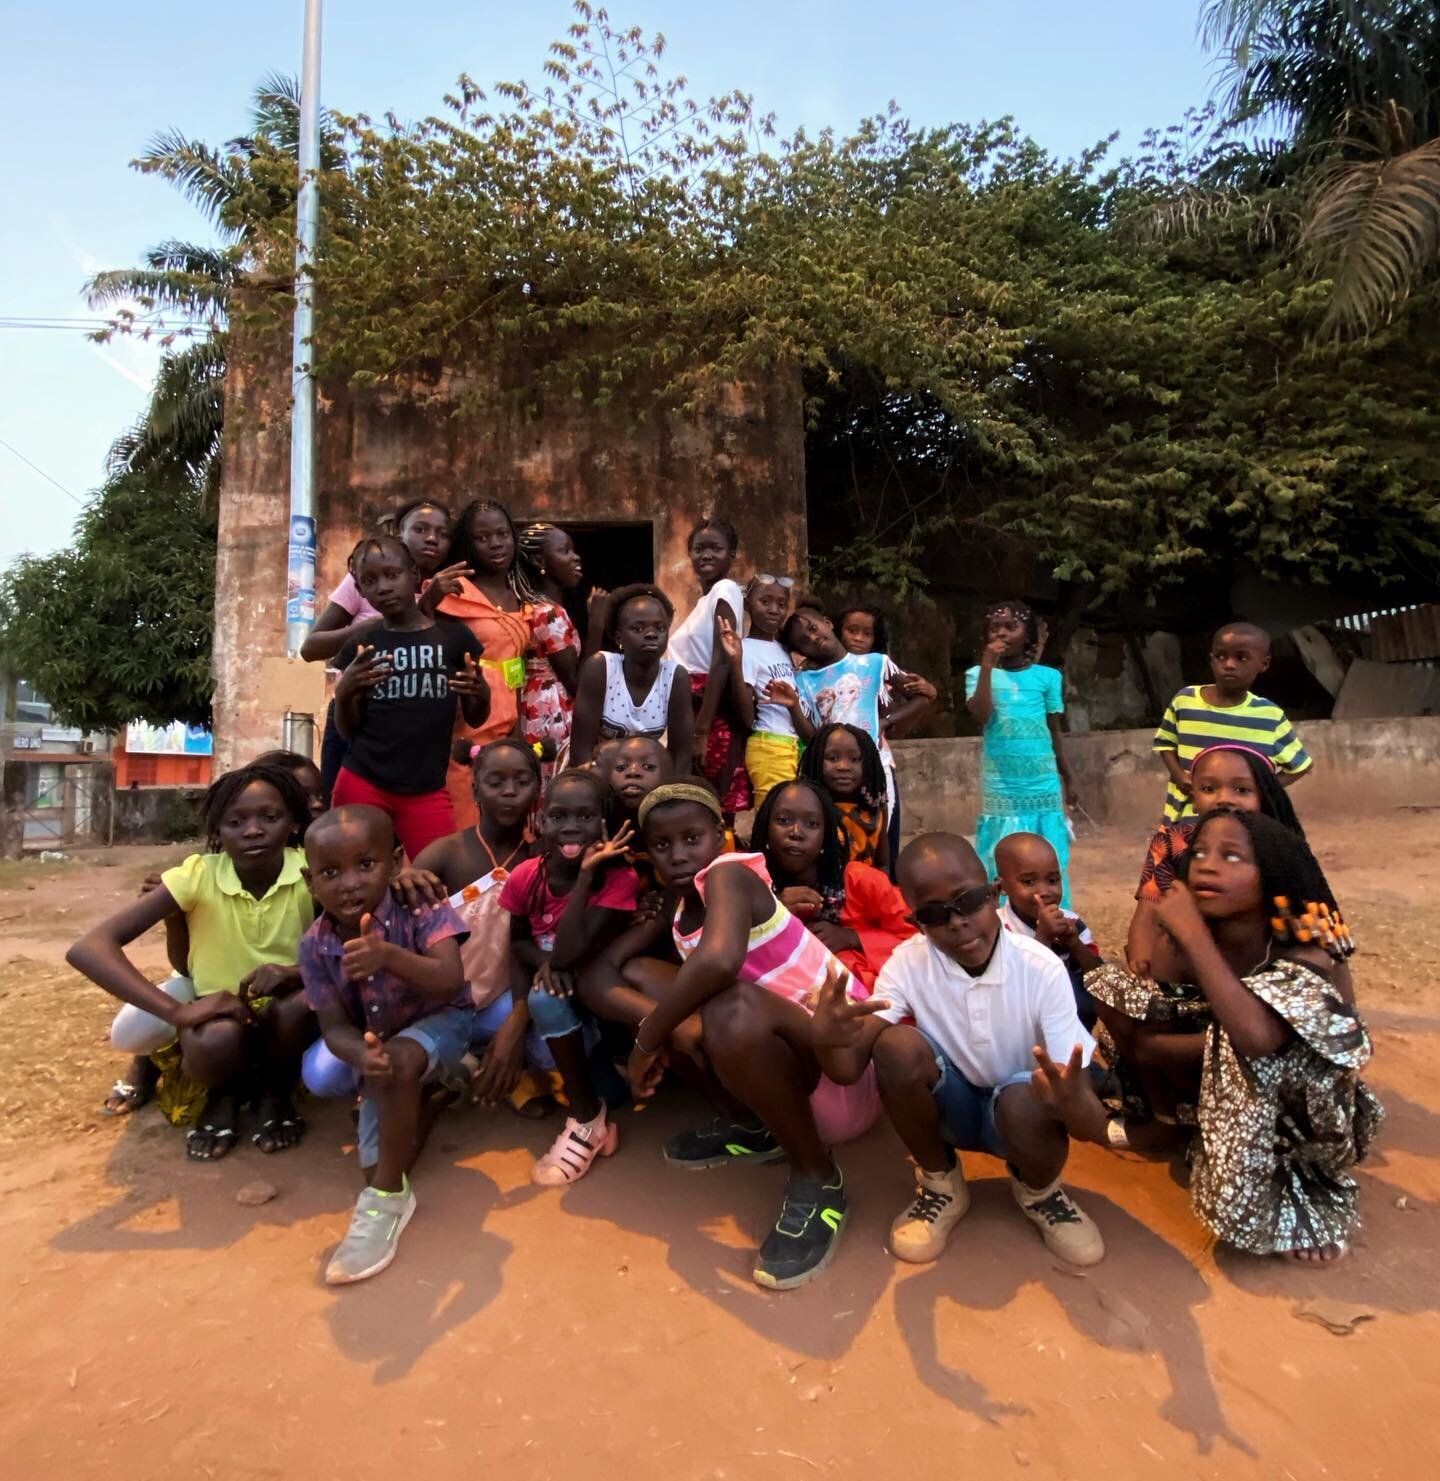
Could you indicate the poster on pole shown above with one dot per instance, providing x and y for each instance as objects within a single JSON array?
[{"x": 300, "y": 581}]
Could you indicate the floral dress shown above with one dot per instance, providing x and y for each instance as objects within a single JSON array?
[
  {"x": 1269, "y": 1169},
  {"x": 546, "y": 706}
]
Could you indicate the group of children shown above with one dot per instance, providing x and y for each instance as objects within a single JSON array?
[{"x": 582, "y": 921}]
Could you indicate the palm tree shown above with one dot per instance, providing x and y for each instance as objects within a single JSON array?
[
  {"x": 181, "y": 429},
  {"x": 1355, "y": 85}
]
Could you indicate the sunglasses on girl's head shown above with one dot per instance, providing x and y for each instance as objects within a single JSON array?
[
  {"x": 967, "y": 902},
  {"x": 786, "y": 581}
]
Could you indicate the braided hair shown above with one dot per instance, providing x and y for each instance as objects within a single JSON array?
[
  {"x": 380, "y": 545},
  {"x": 621, "y": 598},
  {"x": 223, "y": 791},
  {"x": 834, "y": 847},
  {"x": 722, "y": 527},
  {"x": 1274, "y": 799},
  {"x": 1022, "y": 614},
  {"x": 474, "y": 756},
  {"x": 872, "y": 769},
  {"x": 397, "y": 520},
  {"x": 530, "y": 542},
  {"x": 462, "y": 548}
]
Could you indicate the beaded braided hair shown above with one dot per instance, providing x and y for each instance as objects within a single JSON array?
[
  {"x": 1022, "y": 614},
  {"x": 462, "y": 548}
]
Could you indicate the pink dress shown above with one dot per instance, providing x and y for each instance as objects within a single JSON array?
[{"x": 784, "y": 958}]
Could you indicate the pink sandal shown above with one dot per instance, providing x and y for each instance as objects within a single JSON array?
[{"x": 572, "y": 1152}]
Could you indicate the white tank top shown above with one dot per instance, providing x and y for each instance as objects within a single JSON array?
[{"x": 622, "y": 716}]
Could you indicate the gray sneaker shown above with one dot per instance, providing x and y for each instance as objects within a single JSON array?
[{"x": 375, "y": 1230}]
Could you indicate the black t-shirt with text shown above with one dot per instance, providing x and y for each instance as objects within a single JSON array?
[{"x": 403, "y": 744}]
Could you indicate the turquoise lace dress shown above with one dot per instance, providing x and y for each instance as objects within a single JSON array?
[{"x": 1019, "y": 782}]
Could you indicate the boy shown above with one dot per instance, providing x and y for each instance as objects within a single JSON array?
[
  {"x": 1028, "y": 873},
  {"x": 389, "y": 990},
  {"x": 1203, "y": 715},
  {"x": 981, "y": 999}
]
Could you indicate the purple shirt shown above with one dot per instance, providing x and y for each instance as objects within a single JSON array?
[{"x": 382, "y": 1004}]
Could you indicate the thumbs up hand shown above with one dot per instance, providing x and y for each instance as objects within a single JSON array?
[
  {"x": 368, "y": 953},
  {"x": 377, "y": 1067}
]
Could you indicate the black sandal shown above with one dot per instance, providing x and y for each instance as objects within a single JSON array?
[{"x": 222, "y": 1142}]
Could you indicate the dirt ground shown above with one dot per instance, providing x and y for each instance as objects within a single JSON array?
[{"x": 151, "y": 1324}]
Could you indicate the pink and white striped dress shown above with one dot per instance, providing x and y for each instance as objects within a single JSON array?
[{"x": 784, "y": 958}]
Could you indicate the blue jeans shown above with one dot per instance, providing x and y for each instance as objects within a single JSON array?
[
  {"x": 444, "y": 1036},
  {"x": 967, "y": 1112},
  {"x": 556, "y": 1018}
]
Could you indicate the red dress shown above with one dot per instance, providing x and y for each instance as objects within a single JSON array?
[{"x": 875, "y": 910}]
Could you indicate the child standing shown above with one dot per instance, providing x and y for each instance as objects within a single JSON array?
[
  {"x": 396, "y": 700},
  {"x": 853, "y": 908},
  {"x": 979, "y": 998},
  {"x": 237, "y": 1009},
  {"x": 572, "y": 897},
  {"x": 387, "y": 986},
  {"x": 485, "y": 588},
  {"x": 1282, "y": 1113},
  {"x": 1019, "y": 704},
  {"x": 1204, "y": 715},
  {"x": 635, "y": 690},
  {"x": 766, "y": 698},
  {"x": 1029, "y": 877},
  {"x": 846, "y": 762},
  {"x": 695, "y": 645}
]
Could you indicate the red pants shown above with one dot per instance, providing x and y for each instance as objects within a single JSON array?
[{"x": 419, "y": 819}]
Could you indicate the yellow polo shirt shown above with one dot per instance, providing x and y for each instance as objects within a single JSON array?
[{"x": 231, "y": 932}]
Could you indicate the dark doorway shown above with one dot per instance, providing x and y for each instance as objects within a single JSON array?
[{"x": 613, "y": 555}]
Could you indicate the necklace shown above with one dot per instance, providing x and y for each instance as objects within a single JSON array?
[{"x": 497, "y": 866}]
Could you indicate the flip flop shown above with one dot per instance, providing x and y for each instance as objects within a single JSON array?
[
  {"x": 284, "y": 1123},
  {"x": 224, "y": 1142},
  {"x": 128, "y": 1098}
]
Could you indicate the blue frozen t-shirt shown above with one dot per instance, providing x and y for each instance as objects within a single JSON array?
[{"x": 850, "y": 691}]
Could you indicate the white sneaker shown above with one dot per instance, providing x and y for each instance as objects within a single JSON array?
[
  {"x": 923, "y": 1230},
  {"x": 1068, "y": 1231},
  {"x": 375, "y": 1229}
]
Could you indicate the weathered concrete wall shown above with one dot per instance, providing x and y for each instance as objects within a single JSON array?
[
  {"x": 742, "y": 453},
  {"x": 1361, "y": 766},
  {"x": 158, "y": 814}
]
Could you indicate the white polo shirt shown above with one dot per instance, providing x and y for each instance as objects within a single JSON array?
[{"x": 987, "y": 1025}]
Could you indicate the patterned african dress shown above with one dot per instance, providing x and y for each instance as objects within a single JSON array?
[
  {"x": 1269, "y": 1169},
  {"x": 1020, "y": 789},
  {"x": 546, "y": 706},
  {"x": 1169, "y": 1007},
  {"x": 864, "y": 829}
]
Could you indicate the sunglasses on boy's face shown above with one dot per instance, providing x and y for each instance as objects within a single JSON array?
[{"x": 967, "y": 902}]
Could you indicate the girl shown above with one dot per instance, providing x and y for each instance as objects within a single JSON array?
[
  {"x": 237, "y": 1010},
  {"x": 469, "y": 868},
  {"x": 696, "y": 646},
  {"x": 1024, "y": 781},
  {"x": 634, "y": 691},
  {"x": 846, "y": 762},
  {"x": 853, "y": 908},
  {"x": 396, "y": 700},
  {"x": 304, "y": 770},
  {"x": 424, "y": 526},
  {"x": 552, "y": 662},
  {"x": 572, "y": 897},
  {"x": 1282, "y": 1112},
  {"x": 741, "y": 1003},
  {"x": 486, "y": 589},
  {"x": 766, "y": 698},
  {"x": 865, "y": 630}
]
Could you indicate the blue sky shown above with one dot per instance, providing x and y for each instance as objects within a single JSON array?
[{"x": 83, "y": 87}]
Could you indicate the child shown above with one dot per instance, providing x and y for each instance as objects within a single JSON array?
[
  {"x": 1019, "y": 704},
  {"x": 1204, "y": 715},
  {"x": 695, "y": 645},
  {"x": 865, "y": 630},
  {"x": 469, "y": 869},
  {"x": 237, "y": 1008},
  {"x": 485, "y": 588},
  {"x": 552, "y": 661},
  {"x": 766, "y": 698},
  {"x": 388, "y": 988},
  {"x": 396, "y": 700},
  {"x": 740, "y": 1003},
  {"x": 1282, "y": 1112},
  {"x": 424, "y": 526},
  {"x": 634, "y": 691},
  {"x": 854, "y": 909},
  {"x": 1029, "y": 877},
  {"x": 572, "y": 897},
  {"x": 304, "y": 770},
  {"x": 979, "y": 998},
  {"x": 846, "y": 762},
  {"x": 635, "y": 767}
]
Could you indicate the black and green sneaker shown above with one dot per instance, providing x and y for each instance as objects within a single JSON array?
[
  {"x": 805, "y": 1236},
  {"x": 719, "y": 1143}
]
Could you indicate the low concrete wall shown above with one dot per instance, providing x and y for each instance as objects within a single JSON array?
[
  {"x": 1360, "y": 766},
  {"x": 157, "y": 814}
]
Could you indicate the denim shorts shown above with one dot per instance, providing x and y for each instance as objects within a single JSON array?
[
  {"x": 967, "y": 1112},
  {"x": 444, "y": 1036}
]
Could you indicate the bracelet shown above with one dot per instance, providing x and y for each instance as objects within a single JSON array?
[
  {"x": 639, "y": 1029},
  {"x": 1115, "y": 1133}
]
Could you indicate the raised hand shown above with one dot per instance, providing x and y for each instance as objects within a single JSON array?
[
  {"x": 1178, "y": 915},
  {"x": 444, "y": 583},
  {"x": 1068, "y": 1094},
  {"x": 730, "y": 642},
  {"x": 595, "y": 607},
  {"x": 368, "y": 669},
  {"x": 992, "y": 653},
  {"x": 367, "y": 953},
  {"x": 1054, "y": 928},
  {"x": 606, "y": 850},
  {"x": 781, "y": 692},
  {"x": 469, "y": 679},
  {"x": 377, "y": 1064},
  {"x": 839, "y": 1021}
]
